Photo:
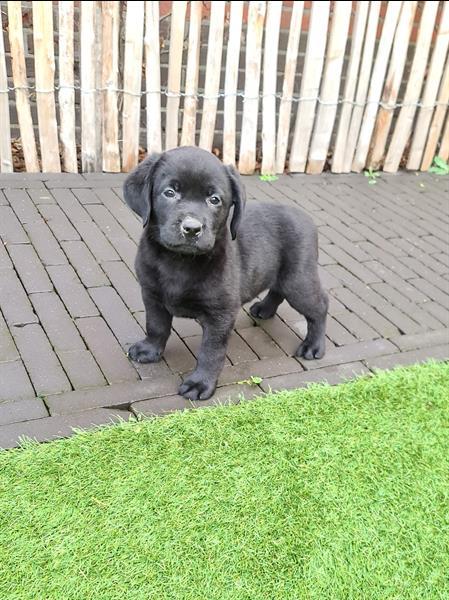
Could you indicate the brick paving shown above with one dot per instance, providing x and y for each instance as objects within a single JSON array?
[{"x": 70, "y": 305}]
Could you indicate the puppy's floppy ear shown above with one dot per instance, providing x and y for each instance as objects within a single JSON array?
[
  {"x": 238, "y": 199},
  {"x": 138, "y": 186}
]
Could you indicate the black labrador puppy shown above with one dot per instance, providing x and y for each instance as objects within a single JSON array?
[{"x": 202, "y": 256}]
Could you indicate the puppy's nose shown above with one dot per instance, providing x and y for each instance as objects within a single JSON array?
[{"x": 191, "y": 227}]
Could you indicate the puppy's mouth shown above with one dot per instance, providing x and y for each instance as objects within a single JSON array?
[{"x": 192, "y": 247}]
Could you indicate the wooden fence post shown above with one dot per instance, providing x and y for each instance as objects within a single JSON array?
[
  {"x": 153, "y": 77},
  {"x": 231, "y": 79},
  {"x": 414, "y": 85},
  {"x": 213, "y": 66},
  {"x": 174, "y": 73},
  {"x": 437, "y": 121},
  {"x": 109, "y": 83},
  {"x": 66, "y": 95},
  {"x": 430, "y": 91},
  {"x": 44, "y": 65},
  {"x": 285, "y": 107},
  {"x": 310, "y": 85},
  {"x": 15, "y": 31},
  {"x": 191, "y": 87},
  {"x": 330, "y": 86},
  {"x": 5, "y": 127},
  {"x": 270, "y": 64},
  {"x": 89, "y": 143},
  {"x": 132, "y": 83},
  {"x": 248, "y": 137}
]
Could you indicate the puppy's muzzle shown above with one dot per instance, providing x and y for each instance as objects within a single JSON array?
[{"x": 191, "y": 227}]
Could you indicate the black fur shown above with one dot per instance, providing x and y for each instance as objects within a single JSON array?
[{"x": 202, "y": 255}]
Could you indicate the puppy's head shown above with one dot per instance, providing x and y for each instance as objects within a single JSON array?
[{"x": 185, "y": 195}]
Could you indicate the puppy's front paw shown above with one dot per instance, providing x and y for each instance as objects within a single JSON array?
[
  {"x": 196, "y": 388},
  {"x": 144, "y": 352},
  {"x": 310, "y": 350},
  {"x": 261, "y": 310}
]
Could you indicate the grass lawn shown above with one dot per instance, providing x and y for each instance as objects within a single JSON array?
[{"x": 326, "y": 493}]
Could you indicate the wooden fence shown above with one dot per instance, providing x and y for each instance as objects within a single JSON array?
[{"x": 371, "y": 88}]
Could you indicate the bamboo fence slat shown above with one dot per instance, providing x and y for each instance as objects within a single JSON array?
[
  {"x": 437, "y": 121},
  {"x": 89, "y": 158}
]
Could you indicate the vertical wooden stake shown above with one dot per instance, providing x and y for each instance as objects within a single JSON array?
[
  {"x": 109, "y": 79},
  {"x": 191, "y": 88},
  {"x": 153, "y": 77},
  {"x": 5, "y": 127},
  {"x": 174, "y": 73}
]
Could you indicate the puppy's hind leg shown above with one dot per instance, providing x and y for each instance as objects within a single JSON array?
[
  {"x": 266, "y": 308},
  {"x": 314, "y": 308}
]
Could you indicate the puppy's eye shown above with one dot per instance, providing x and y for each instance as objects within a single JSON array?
[
  {"x": 169, "y": 193},
  {"x": 214, "y": 200}
]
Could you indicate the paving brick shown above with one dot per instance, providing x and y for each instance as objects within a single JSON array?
[
  {"x": 45, "y": 243},
  {"x": 14, "y": 382},
  {"x": 58, "y": 222},
  {"x": 41, "y": 196},
  {"x": 118, "y": 395},
  {"x": 106, "y": 350},
  {"x": 186, "y": 327},
  {"x": 431, "y": 291},
  {"x": 3, "y": 200},
  {"x": 22, "y": 205},
  {"x": 81, "y": 369},
  {"x": 30, "y": 269},
  {"x": 57, "y": 322},
  {"x": 284, "y": 337},
  {"x": 409, "y": 358},
  {"x": 436, "y": 242},
  {"x": 350, "y": 353},
  {"x": 73, "y": 209},
  {"x": 41, "y": 362},
  {"x": 85, "y": 196},
  {"x": 11, "y": 231},
  {"x": 111, "y": 306},
  {"x": 96, "y": 241},
  {"x": 337, "y": 333},
  {"x": 437, "y": 311},
  {"x": 423, "y": 271},
  {"x": 356, "y": 326},
  {"x": 287, "y": 312},
  {"x": 443, "y": 258},
  {"x": 328, "y": 281},
  {"x": 5, "y": 261},
  {"x": 332, "y": 375},
  {"x": 125, "y": 283},
  {"x": 127, "y": 251},
  {"x": 14, "y": 303},
  {"x": 121, "y": 212},
  {"x": 106, "y": 222},
  {"x": 160, "y": 406},
  {"x": 413, "y": 246},
  {"x": 8, "y": 350},
  {"x": 85, "y": 264},
  {"x": 238, "y": 350},
  {"x": 52, "y": 428},
  {"x": 335, "y": 306},
  {"x": 366, "y": 312},
  {"x": 178, "y": 356},
  {"x": 262, "y": 368},
  {"x": 378, "y": 240},
  {"x": 260, "y": 342},
  {"x": 396, "y": 316},
  {"x": 422, "y": 340},
  {"x": 71, "y": 291},
  {"x": 351, "y": 264},
  {"x": 386, "y": 258},
  {"x": 353, "y": 249},
  {"x": 67, "y": 180},
  {"x": 19, "y": 411},
  {"x": 407, "y": 307}
]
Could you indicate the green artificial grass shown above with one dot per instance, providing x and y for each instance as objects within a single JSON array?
[{"x": 326, "y": 493}]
